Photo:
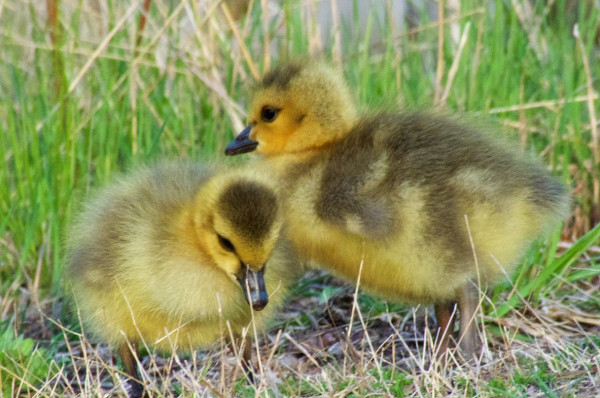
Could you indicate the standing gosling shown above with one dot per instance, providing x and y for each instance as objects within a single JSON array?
[
  {"x": 172, "y": 253},
  {"x": 403, "y": 192}
]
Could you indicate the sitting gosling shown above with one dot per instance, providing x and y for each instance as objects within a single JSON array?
[
  {"x": 401, "y": 194},
  {"x": 172, "y": 253}
]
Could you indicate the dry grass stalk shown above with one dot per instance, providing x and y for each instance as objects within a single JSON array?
[
  {"x": 142, "y": 23},
  {"x": 101, "y": 47},
  {"x": 313, "y": 30},
  {"x": 550, "y": 104},
  {"x": 532, "y": 24},
  {"x": 337, "y": 34},
  {"x": 439, "y": 74},
  {"x": 455, "y": 63},
  {"x": 267, "y": 43},
  {"x": 56, "y": 37},
  {"x": 133, "y": 86},
  {"x": 240, "y": 41}
]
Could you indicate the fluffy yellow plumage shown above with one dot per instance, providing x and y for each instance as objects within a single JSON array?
[
  {"x": 169, "y": 254},
  {"x": 403, "y": 192}
]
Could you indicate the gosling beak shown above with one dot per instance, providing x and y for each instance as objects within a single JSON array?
[
  {"x": 253, "y": 284},
  {"x": 241, "y": 144}
]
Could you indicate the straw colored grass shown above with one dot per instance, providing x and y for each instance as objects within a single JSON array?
[{"x": 94, "y": 87}]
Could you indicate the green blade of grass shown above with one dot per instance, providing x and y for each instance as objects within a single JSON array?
[{"x": 556, "y": 267}]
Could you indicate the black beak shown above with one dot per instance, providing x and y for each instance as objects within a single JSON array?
[
  {"x": 241, "y": 144},
  {"x": 255, "y": 291}
]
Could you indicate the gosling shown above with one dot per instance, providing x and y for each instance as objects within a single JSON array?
[
  {"x": 169, "y": 255},
  {"x": 397, "y": 198}
]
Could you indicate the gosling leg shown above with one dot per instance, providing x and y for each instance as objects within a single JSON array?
[
  {"x": 246, "y": 355},
  {"x": 136, "y": 387},
  {"x": 468, "y": 299},
  {"x": 445, "y": 315},
  {"x": 247, "y": 359}
]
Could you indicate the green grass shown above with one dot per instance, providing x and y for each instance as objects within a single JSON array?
[
  {"x": 72, "y": 117},
  {"x": 22, "y": 364}
]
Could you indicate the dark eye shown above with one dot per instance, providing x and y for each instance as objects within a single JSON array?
[
  {"x": 269, "y": 114},
  {"x": 226, "y": 244}
]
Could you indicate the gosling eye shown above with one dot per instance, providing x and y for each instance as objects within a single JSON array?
[
  {"x": 226, "y": 244},
  {"x": 269, "y": 114}
]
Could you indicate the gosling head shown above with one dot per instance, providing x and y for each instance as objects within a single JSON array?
[
  {"x": 297, "y": 107},
  {"x": 241, "y": 228}
]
